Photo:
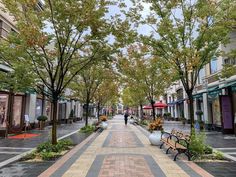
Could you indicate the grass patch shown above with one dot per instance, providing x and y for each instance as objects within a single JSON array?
[
  {"x": 87, "y": 129},
  {"x": 48, "y": 151}
]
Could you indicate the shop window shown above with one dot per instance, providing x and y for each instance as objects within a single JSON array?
[
  {"x": 201, "y": 75},
  {"x": 39, "y": 108},
  {"x": 180, "y": 94},
  {"x": 3, "y": 109},
  {"x": 230, "y": 61},
  {"x": 213, "y": 65},
  {"x": 17, "y": 111}
]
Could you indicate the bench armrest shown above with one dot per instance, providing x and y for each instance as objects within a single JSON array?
[{"x": 165, "y": 134}]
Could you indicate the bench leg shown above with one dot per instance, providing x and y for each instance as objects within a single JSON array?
[
  {"x": 168, "y": 150},
  {"x": 161, "y": 145},
  {"x": 188, "y": 155},
  {"x": 176, "y": 155}
]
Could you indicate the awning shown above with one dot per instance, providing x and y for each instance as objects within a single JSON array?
[
  {"x": 160, "y": 105},
  {"x": 214, "y": 91},
  {"x": 30, "y": 91},
  {"x": 233, "y": 88},
  {"x": 233, "y": 83},
  {"x": 180, "y": 101},
  {"x": 176, "y": 102},
  {"x": 171, "y": 104},
  {"x": 147, "y": 107},
  {"x": 198, "y": 95}
]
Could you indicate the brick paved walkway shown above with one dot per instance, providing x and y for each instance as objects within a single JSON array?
[{"x": 121, "y": 151}]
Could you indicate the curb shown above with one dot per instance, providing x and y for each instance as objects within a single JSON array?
[
  {"x": 15, "y": 158},
  {"x": 54, "y": 167}
]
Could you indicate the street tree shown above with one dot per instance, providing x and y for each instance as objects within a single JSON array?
[
  {"x": 133, "y": 96},
  {"x": 107, "y": 92},
  {"x": 186, "y": 35},
  {"x": 148, "y": 74},
  {"x": 54, "y": 38},
  {"x": 86, "y": 84}
]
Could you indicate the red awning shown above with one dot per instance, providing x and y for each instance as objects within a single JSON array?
[
  {"x": 147, "y": 107},
  {"x": 160, "y": 105}
]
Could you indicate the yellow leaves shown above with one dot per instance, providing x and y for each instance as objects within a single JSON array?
[
  {"x": 103, "y": 118},
  {"x": 33, "y": 36},
  {"x": 156, "y": 124}
]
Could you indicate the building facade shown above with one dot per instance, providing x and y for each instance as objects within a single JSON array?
[{"x": 214, "y": 96}]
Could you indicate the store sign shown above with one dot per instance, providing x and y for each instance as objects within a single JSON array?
[{"x": 226, "y": 109}]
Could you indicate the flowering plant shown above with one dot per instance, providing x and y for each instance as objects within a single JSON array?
[
  {"x": 103, "y": 118},
  {"x": 155, "y": 125}
]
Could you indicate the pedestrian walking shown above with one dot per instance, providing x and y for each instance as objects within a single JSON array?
[{"x": 126, "y": 117}]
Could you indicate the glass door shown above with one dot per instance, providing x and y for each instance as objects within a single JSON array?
[{"x": 3, "y": 109}]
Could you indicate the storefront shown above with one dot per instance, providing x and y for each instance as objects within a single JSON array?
[
  {"x": 62, "y": 112},
  {"x": 228, "y": 107},
  {"x": 214, "y": 105},
  {"x": 39, "y": 107},
  {"x": 3, "y": 109},
  {"x": 11, "y": 112},
  {"x": 18, "y": 110}
]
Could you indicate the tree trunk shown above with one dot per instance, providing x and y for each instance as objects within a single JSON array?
[
  {"x": 98, "y": 110},
  {"x": 87, "y": 113},
  {"x": 9, "y": 120},
  {"x": 191, "y": 109},
  {"x": 153, "y": 111},
  {"x": 141, "y": 111},
  {"x": 54, "y": 121},
  {"x": 137, "y": 112}
]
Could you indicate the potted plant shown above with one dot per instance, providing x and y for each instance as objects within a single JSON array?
[
  {"x": 104, "y": 124},
  {"x": 184, "y": 120},
  {"x": 71, "y": 116},
  {"x": 155, "y": 128},
  {"x": 42, "y": 120},
  {"x": 167, "y": 115},
  {"x": 199, "y": 113}
]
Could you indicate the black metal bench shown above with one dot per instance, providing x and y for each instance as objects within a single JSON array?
[{"x": 176, "y": 140}]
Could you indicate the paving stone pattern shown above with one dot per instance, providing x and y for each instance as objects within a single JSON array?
[
  {"x": 125, "y": 165},
  {"x": 122, "y": 151}
]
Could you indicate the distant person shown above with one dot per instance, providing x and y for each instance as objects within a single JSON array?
[{"x": 126, "y": 117}]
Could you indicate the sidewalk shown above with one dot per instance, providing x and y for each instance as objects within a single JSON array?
[
  {"x": 121, "y": 151},
  {"x": 13, "y": 149}
]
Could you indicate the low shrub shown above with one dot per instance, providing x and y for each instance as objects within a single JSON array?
[
  {"x": 87, "y": 129},
  {"x": 29, "y": 156},
  {"x": 48, "y": 147},
  {"x": 42, "y": 118},
  {"x": 143, "y": 122},
  {"x": 218, "y": 155},
  {"x": 208, "y": 150},
  {"x": 49, "y": 155},
  {"x": 197, "y": 144}
]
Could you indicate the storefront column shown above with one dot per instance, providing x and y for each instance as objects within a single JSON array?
[
  {"x": 195, "y": 108},
  {"x": 68, "y": 109},
  {"x": 206, "y": 116},
  {"x": 176, "y": 111},
  {"x": 30, "y": 106},
  {"x": 186, "y": 109}
]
